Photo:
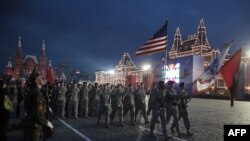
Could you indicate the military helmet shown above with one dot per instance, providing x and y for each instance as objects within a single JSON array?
[{"x": 181, "y": 84}]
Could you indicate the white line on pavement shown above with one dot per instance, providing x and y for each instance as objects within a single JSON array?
[
  {"x": 73, "y": 129},
  {"x": 161, "y": 133}
]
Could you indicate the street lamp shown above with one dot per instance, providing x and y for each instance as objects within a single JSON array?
[
  {"x": 111, "y": 72},
  {"x": 248, "y": 53},
  {"x": 146, "y": 67}
]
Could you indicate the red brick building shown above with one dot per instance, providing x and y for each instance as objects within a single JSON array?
[{"x": 22, "y": 66}]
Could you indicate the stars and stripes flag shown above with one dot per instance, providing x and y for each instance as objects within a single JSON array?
[{"x": 157, "y": 43}]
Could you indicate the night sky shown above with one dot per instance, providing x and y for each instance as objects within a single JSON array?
[{"x": 93, "y": 34}]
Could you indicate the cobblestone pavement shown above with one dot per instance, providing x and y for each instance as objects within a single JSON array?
[{"x": 207, "y": 118}]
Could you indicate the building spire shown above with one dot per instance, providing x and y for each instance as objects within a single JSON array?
[
  {"x": 202, "y": 24},
  {"x": 43, "y": 54},
  {"x": 19, "y": 42},
  {"x": 202, "y": 34},
  {"x": 50, "y": 63},
  {"x": 43, "y": 45},
  {"x": 177, "y": 40},
  {"x": 19, "y": 48}
]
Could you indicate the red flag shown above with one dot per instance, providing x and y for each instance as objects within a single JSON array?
[
  {"x": 50, "y": 75},
  {"x": 229, "y": 73}
]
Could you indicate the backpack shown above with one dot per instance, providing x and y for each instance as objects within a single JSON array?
[{"x": 7, "y": 104}]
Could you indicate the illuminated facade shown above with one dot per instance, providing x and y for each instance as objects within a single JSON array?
[
  {"x": 119, "y": 74},
  {"x": 198, "y": 45},
  {"x": 125, "y": 73},
  {"x": 186, "y": 60}
]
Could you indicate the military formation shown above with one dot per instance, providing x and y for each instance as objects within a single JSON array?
[{"x": 73, "y": 100}]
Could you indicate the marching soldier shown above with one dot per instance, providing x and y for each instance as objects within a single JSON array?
[
  {"x": 62, "y": 100},
  {"x": 118, "y": 105},
  {"x": 54, "y": 98},
  {"x": 84, "y": 100},
  {"x": 105, "y": 104},
  {"x": 172, "y": 107},
  {"x": 21, "y": 93},
  {"x": 129, "y": 103},
  {"x": 73, "y": 101},
  {"x": 68, "y": 92},
  {"x": 159, "y": 111},
  {"x": 94, "y": 99},
  {"x": 140, "y": 95},
  {"x": 183, "y": 112},
  {"x": 35, "y": 107},
  {"x": 152, "y": 94}
]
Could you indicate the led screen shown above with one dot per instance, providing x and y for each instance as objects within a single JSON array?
[{"x": 171, "y": 72}]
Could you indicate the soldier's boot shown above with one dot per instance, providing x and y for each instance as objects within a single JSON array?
[
  {"x": 167, "y": 137},
  {"x": 98, "y": 121},
  {"x": 172, "y": 130},
  {"x": 152, "y": 135},
  {"x": 122, "y": 124},
  {"x": 180, "y": 134},
  {"x": 133, "y": 123},
  {"x": 189, "y": 133},
  {"x": 85, "y": 116}
]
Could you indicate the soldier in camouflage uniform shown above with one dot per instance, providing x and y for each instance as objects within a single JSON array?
[
  {"x": 35, "y": 107},
  {"x": 94, "y": 99},
  {"x": 73, "y": 101},
  {"x": 104, "y": 105},
  {"x": 183, "y": 112},
  {"x": 152, "y": 93},
  {"x": 61, "y": 99},
  {"x": 140, "y": 96},
  {"x": 54, "y": 98},
  {"x": 21, "y": 93},
  {"x": 118, "y": 105},
  {"x": 159, "y": 110},
  {"x": 84, "y": 100},
  {"x": 129, "y": 103},
  {"x": 172, "y": 101}
]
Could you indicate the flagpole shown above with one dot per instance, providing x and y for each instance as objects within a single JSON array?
[{"x": 167, "y": 42}]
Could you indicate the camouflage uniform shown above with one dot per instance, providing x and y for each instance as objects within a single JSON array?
[
  {"x": 159, "y": 111},
  {"x": 84, "y": 101},
  {"x": 21, "y": 93},
  {"x": 94, "y": 100},
  {"x": 104, "y": 105},
  {"x": 73, "y": 102},
  {"x": 151, "y": 104},
  {"x": 172, "y": 108},
  {"x": 35, "y": 107},
  {"x": 61, "y": 99},
  {"x": 129, "y": 104},
  {"x": 54, "y": 99},
  {"x": 183, "y": 112},
  {"x": 118, "y": 105},
  {"x": 140, "y": 105}
]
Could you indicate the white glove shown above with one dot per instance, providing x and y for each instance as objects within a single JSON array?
[{"x": 50, "y": 125}]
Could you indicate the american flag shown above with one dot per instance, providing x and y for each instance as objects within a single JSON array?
[{"x": 157, "y": 43}]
